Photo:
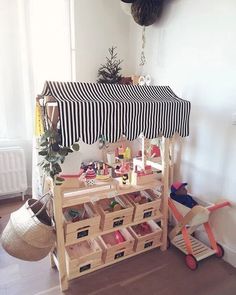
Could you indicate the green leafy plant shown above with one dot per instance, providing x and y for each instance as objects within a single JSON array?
[
  {"x": 102, "y": 142},
  {"x": 109, "y": 72},
  {"x": 54, "y": 154}
]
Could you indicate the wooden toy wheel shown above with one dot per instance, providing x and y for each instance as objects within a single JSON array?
[
  {"x": 191, "y": 262},
  {"x": 220, "y": 251}
]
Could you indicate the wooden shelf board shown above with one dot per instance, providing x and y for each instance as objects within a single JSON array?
[
  {"x": 154, "y": 163},
  {"x": 74, "y": 197},
  {"x": 135, "y": 188},
  {"x": 76, "y": 200},
  {"x": 112, "y": 262},
  {"x": 157, "y": 217}
]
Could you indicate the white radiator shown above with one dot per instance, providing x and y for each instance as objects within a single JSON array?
[{"x": 13, "y": 177}]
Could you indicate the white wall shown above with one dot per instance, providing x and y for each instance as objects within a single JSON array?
[
  {"x": 99, "y": 25},
  {"x": 192, "y": 49}
]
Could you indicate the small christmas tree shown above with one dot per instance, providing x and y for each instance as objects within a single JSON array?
[{"x": 109, "y": 73}]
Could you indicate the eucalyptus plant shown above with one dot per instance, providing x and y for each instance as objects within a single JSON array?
[{"x": 54, "y": 154}]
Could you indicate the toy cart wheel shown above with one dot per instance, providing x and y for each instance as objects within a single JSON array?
[
  {"x": 191, "y": 262},
  {"x": 220, "y": 251}
]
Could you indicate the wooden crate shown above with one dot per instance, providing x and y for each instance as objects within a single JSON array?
[
  {"x": 150, "y": 240},
  {"x": 114, "y": 219},
  {"x": 139, "y": 180},
  {"x": 83, "y": 256},
  {"x": 113, "y": 251},
  {"x": 146, "y": 210},
  {"x": 75, "y": 231}
]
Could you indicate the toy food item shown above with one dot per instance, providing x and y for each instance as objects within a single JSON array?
[
  {"x": 142, "y": 229},
  {"x": 90, "y": 176},
  {"x": 137, "y": 198},
  {"x": 121, "y": 151},
  {"x": 119, "y": 237},
  {"x": 115, "y": 206},
  {"x": 74, "y": 215},
  {"x": 127, "y": 153},
  {"x": 155, "y": 151},
  {"x": 90, "y": 173},
  {"x": 125, "y": 178},
  {"x": 143, "y": 200}
]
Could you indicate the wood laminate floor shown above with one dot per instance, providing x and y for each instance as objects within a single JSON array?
[{"x": 152, "y": 273}]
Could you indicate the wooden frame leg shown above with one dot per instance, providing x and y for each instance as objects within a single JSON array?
[
  {"x": 165, "y": 176},
  {"x": 60, "y": 244}
]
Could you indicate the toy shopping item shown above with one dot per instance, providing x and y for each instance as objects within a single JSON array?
[
  {"x": 179, "y": 194},
  {"x": 90, "y": 176},
  {"x": 188, "y": 220}
]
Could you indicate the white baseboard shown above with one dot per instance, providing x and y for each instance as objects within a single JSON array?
[{"x": 10, "y": 196}]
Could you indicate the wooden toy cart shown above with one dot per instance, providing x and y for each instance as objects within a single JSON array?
[
  {"x": 88, "y": 110},
  {"x": 188, "y": 220}
]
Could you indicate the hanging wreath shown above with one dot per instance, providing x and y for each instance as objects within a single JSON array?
[{"x": 146, "y": 12}]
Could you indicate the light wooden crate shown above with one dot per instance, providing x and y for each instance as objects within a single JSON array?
[
  {"x": 75, "y": 231},
  {"x": 146, "y": 210},
  {"x": 114, "y": 219},
  {"x": 139, "y": 180},
  {"x": 147, "y": 241},
  {"x": 113, "y": 251},
  {"x": 83, "y": 256}
]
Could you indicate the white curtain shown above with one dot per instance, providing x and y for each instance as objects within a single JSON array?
[{"x": 35, "y": 46}]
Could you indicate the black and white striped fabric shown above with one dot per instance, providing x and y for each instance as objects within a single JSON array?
[{"x": 89, "y": 110}]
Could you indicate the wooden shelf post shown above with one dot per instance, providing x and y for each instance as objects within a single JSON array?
[
  {"x": 165, "y": 174},
  {"x": 57, "y": 198}
]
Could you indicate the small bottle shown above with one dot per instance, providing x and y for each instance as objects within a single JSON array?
[
  {"x": 121, "y": 150},
  {"x": 127, "y": 153}
]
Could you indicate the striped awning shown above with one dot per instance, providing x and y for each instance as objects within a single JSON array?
[{"x": 89, "y": 110}]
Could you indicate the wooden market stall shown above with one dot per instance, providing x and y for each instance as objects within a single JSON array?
[{"x": 85, "y": 112}]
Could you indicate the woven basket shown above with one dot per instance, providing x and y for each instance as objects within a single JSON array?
[
  {"x": 146, "y": 12},
  {"x": 27, "y": 236}
]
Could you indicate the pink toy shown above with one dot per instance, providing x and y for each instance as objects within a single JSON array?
[
  {"x": 90, "y": 176},
  {"x": 155, "y": 151},
  {"x": 118, "y": 237}
]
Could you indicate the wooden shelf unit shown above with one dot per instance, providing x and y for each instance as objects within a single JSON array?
[
  {"x": 72, "y": 192},
  {"x": 49, "y": 102}
]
